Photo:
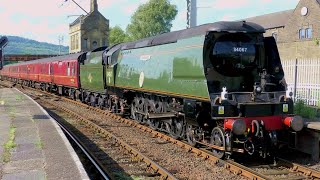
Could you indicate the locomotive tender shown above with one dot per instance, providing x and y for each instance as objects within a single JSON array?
[{"x": 218, "y": 85}]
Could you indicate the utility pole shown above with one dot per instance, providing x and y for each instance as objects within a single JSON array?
[
  {"x": 191, "y": 13},
  {"x": 60, "y": 39}
]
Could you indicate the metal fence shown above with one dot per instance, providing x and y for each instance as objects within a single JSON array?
[{"x": 303, "y": 75}]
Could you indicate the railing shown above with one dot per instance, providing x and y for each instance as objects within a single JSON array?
[{"x": 303, "y": 75}]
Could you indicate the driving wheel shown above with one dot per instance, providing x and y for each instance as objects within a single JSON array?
[{"x": 218, "y": 139}]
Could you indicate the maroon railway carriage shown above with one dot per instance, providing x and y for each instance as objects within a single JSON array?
[
  {"x": 23, "y": 72},
  {"x": 32, "y": 72},
  {"x": 4, "y": 72},
  {"x": 59, "y": 73},
  {"x": 14, "y": 71}
]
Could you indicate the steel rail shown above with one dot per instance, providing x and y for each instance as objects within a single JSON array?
[
  {"x": 233, "y": 167},
  {"x": 165, "y": 174},
  {"x": 103, "y": 171},
  {"x": 228, "y": 164},
  {"x": 312, "y": 173}
]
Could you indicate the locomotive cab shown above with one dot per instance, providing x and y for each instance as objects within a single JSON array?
[{"x": 247, "y": 90}]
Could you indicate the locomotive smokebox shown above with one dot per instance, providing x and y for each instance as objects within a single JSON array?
[
  {"x": 237, "y": 126},
  {"x": 295, "y": 123}
]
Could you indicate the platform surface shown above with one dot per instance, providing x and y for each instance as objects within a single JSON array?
[
  {"x": 40, "y": 149},
  {"x": 313, "y": 124}
]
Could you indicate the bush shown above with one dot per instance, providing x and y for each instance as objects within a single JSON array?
[{"x": 301, "y": 109}]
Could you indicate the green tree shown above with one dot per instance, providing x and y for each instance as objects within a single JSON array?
[
  {"x": 152, "y": 18},
  {"x": 117, "y": 35}
]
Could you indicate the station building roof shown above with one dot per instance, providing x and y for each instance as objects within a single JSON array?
[{"x": 272, "y": 20}]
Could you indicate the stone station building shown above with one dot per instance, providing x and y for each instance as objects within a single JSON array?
[
  {"x": 89, "y": 31},
  {"x": 297, "y": 31}
]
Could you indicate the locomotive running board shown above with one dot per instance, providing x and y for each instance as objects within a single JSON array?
[
  {"x": 220, "y": 148},
  {"x": 158, "y": 115},
  {"x": 161, "y": 115}
]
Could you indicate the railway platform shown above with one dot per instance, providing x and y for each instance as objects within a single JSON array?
[
  {"x": 308, "y": 140},
  {"x": 32, "y": 146}
]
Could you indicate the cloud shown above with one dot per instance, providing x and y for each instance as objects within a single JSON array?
[
  {"x": 229, "y": 4},
  {"x": 267, "y": 1},
  {"x": 229, "y": 17},
  {"x": 45, "y": 20},
  {"x": 130, "y": 9}
]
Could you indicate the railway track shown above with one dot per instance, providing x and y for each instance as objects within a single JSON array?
[
  {"x": 99, "y": 170},
  {"x": 105, "y": 148},
  {"x": 282, "y": 170}
]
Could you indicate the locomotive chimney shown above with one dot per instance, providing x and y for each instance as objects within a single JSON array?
[{"x": 94, "y": 6}]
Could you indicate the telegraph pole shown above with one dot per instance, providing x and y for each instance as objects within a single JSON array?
[{"x": 191, "y": 13}]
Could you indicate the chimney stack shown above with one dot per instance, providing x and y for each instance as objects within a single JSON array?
[{"x": 94, "y": 5}]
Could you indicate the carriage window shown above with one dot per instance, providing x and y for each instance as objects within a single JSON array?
[
  {"x": 50, "y": 69},
  {"x": 68, "y": 69},
  {"x": 73, "y": 69}
]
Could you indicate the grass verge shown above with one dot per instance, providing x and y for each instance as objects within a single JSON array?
[
  {"x": 10, "y": 144},
  {"x": 38, "y": 144}
]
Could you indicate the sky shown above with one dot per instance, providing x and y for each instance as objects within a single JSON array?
[{"x": 47, "y": 20}]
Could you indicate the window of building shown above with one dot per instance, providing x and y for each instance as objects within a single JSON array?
[
  {"x": 94, "y": 44},
  {"x": 301, "y": 34},
  {"x": 77, "y": 41},
  {"x": 309, "y": 33},
  {"x": 72, "y": 69},
  {"x": 85, "y": 42},
  {"x": 72, "y": 42},
  {"x": 104, "y": 42},
  {"x": 275, "y": 35}
]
